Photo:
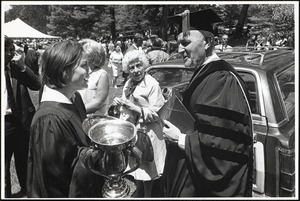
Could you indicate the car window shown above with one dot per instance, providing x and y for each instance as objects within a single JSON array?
[
  {"x": 286, "y": 82},
  {"x": 171, "y": 76},
  {"x": 251, "y": 83}
]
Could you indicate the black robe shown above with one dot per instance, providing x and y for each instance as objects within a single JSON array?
[
  {"x": 56, "y": 151},
  {"x": 218, "y": 156}
]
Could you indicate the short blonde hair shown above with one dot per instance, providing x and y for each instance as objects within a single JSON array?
[
  {"x": 95, "y": 52},
  {"x": 132, "y": 55}
]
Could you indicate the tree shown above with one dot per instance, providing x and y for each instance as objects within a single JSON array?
[
  {"x": 269, "y": 19},
  {"x": 136, "y": 18},
  {"x": 83, "y": 21},
  {"x": 164, "y": 22},
  {"x": 113, "y": 22},
  {"x": 96, "y": 20},
  {"x": 241, "y": 22},
  {"x": 33, "y": 15}
]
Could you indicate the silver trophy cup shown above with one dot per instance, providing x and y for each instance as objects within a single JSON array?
[{"x": 113, "y": 141}]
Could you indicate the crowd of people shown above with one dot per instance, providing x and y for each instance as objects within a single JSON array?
[
  {"x": 48, "y": 141},
  {"x": 270, "y": 42}
]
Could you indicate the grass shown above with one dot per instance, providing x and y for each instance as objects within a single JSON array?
[
  {"x": 15, "y": 187},
  {"x": 114, "y": 92}
]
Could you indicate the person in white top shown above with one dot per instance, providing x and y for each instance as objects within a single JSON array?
[
  {"x": 110, "y": 47},
  {"x": 142, "y": 95},
  {"x": 115, "y": 60},
  {"x": 223, "y": 47},
  {"x": 96, "y": 96}
]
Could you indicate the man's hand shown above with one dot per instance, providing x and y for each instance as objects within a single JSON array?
[
  {"x": 18, "y": 59},
  {"x": 171, "y": 132}
]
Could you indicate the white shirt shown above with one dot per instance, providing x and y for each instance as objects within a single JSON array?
[
  {"x": 54, "y": 95},
  {"x": 5, "y": 98}
]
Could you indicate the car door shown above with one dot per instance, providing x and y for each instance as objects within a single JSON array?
[{"x": 259, "y": 119}]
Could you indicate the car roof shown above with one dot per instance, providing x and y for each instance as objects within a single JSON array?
[{"x": 266, "y": 60}]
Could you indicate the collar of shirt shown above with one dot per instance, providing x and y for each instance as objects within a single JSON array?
[
  {"x": 213, "y": 57},
  {"x": 54, "y": 95},
  {"x": 5, "y": 102},
  {"x": 130, "y": 87}
]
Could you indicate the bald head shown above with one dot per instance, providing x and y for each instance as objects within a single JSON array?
[
  {"x": 225, "y": 36},
  {"x": 194, "y": 35},
  {"x": 224, "y": 39},
  {"x": 193, "y": 47}
]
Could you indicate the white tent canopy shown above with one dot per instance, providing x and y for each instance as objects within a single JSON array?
[{"x": 19, "y": 29}]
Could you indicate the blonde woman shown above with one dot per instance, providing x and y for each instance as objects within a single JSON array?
[
  {"x": 143, "y": 93},
  {"x": 96, "y": 96}
]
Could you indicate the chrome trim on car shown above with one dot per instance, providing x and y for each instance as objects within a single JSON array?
[
  {"x": 259, "y": 186},
  {"x": 259, "y": 88}
]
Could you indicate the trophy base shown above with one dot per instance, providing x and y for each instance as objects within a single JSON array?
[{"x": 117, "y": 191}]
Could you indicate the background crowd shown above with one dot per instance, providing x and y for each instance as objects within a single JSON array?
[{"x": 152, "y": 43}]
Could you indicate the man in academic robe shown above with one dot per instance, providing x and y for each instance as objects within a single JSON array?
[
  {"x": 216, "y": 159},
  {"x": 19, "y": 111}
]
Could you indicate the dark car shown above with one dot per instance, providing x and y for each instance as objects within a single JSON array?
[{"x": 270, "y": 77}]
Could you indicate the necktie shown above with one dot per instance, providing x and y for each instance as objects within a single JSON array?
[{"x": 11, "y": 98}]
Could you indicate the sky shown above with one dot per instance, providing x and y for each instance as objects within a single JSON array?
[{"x": 6, "y": 7}]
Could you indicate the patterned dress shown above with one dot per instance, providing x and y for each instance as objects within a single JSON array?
[{"x": 147, "y": 95}]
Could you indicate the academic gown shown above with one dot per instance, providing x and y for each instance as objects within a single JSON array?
[
  {"x": 56, "y": 151},
  {"x": 218, "y": 156}
]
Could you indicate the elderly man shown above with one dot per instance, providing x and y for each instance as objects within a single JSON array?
[{"x": 216, "y": 159}]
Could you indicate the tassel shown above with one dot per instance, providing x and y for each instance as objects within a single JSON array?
[{"x": 185, "y": 22}]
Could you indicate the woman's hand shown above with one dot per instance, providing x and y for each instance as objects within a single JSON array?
[
  {"x": 131, "y": 106},
  {"x": 117, "y": 101},
  {"x": 127, "y": 104}
]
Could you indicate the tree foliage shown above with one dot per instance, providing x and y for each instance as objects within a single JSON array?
[
  {"x": 78, "y": 20},
  {"x": 272, "y": 18},
  {"x": 95, "y": 20},
  {"x": 33, "y": 15}
]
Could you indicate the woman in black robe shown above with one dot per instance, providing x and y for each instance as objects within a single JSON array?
[{"x": 58, "y": 144}]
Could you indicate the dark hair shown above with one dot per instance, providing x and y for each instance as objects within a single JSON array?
[
  {"x": 31, "y": 60},
  {"x": 8, "y": 42},
  {"x": 138, "y": 36},
  {"x": 58, "y": 60},
  {"x": 9, "y": 50},
  {"x": 157, "y": 43},
  {"x": 173, "y": 47}
]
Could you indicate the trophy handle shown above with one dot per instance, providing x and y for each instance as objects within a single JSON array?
[
  {"x": 88, "y": 164},
  {"x": 138, "y": 155}
]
